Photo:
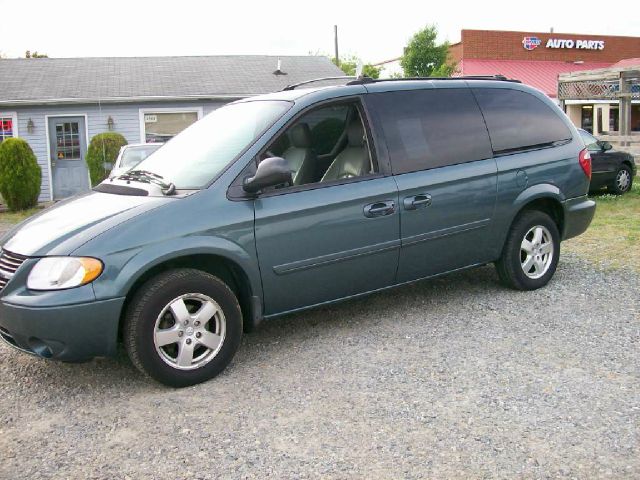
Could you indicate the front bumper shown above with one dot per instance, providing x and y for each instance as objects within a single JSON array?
[
  {"x": 70, "y": 332},
  {"x": 578, "y": 213}
]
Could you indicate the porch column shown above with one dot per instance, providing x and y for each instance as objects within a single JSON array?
[
  {"x": 606, "y": 111},
  {"x": 625, "y": 108}
]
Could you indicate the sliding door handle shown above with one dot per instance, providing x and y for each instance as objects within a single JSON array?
[
  {"x": 417, "y": 201},
  {"x": 380, "y": 209}
]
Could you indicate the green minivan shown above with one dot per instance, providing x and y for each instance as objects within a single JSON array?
[{"x": 286, "y": 201}]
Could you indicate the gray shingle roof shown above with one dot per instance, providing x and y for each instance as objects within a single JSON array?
[{"x": 53, "y": 80}]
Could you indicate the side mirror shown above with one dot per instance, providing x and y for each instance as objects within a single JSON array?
[
  {"x": 271, "y": 171},
  {"x": 108, "y": 166},
  {"x": 606, "y": 146}
]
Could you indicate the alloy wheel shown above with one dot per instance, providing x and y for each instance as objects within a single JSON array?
[
  {"x": 623, "y": 180},
  {"x": 536, "y": 252},
  {"x": 189, "y": 331}
]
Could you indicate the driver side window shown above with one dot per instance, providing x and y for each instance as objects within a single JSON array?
[{"x": 325, "y": 144}]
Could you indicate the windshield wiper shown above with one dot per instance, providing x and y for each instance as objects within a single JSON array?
[{"x": 145, "y": 176}]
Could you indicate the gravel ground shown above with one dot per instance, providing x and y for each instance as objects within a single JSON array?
[{"x": 451, "y": 378}]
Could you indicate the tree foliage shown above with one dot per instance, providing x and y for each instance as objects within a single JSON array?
[
  {"x": 20, "y": 174},
  {"x": 35, "y": 54},
  {"x": 103, "y": 148},
  {"x": 349, "y": 65},
  {"x": 424, "y": 57}
]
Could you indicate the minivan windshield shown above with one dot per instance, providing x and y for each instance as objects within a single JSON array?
[{"x": 195, "y": 156}]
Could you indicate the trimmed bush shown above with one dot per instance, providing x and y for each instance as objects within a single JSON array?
[
  {"x": 20, "y": 174},
  {"x": 103, "y": 148}
]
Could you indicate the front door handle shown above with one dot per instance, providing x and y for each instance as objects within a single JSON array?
[
  {"x": 417, "y": 201},
  {"x": 380, "y": 209}
]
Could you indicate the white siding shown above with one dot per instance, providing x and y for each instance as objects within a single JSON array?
[{"x": 125, "y": 117}]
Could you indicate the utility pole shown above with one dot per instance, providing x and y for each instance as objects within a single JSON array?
[{"x": 335, "y": 35}]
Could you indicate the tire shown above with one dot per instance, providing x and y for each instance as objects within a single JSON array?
[
  {"x": 182, "y": 327},
  {"x": 622, "y": 182},
  {"x": 541, "y": 263}
]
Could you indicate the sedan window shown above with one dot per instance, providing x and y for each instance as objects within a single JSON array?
[{"x": 590, "y": 141}]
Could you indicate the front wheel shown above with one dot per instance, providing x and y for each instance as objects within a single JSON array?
[
  {"x": 530, "y": 255},
  {"x": 622, "y": 181},
  {"x": 183, "y": 327}
]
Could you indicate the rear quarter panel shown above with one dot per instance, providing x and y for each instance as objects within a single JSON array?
[{"x": 524, "y": 177}]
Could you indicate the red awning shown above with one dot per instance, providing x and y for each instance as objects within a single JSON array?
[
  {"x": 628, "y": 62},
  {"x": 542, "y": 75}
]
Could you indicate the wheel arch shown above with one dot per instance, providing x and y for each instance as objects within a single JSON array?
[
  {"x": 546, "y": 198},
  {"x": 629, "y": 163},
  {"x": 234, "y": 269}
]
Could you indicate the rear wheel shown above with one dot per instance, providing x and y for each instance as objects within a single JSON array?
[
  {"x": 183, "y": 327},
  {"x": 530, "y": 255},
  {"x": 622, "y": 181}
]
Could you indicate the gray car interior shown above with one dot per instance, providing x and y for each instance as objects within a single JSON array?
[
  {"x": 300, "y": 155},
  {"x": 354, "y": 160},
  {"x": 349, "y": 158}
]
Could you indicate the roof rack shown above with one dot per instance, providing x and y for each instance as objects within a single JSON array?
[
  {"x": 501, "y": 78},
  {"x": 293, "y": 86},
  {"x": 365, "y": 80}
]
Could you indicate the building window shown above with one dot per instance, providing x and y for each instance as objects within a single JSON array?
[
  {"x": 587, "y": 118},
  {"x": 67, "y": 141},
  {"x": 635, "y": 118},
  {"x": 8, "y": 125},
  {"x": 613, "y": 118},
  {"x": 161, "y": 125}
]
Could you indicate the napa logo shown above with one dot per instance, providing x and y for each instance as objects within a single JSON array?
[{"x": 530, "y": 43}]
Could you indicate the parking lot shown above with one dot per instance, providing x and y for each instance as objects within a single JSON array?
[{"x": 451, "y": 378}]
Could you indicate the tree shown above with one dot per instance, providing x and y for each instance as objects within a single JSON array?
[
  {"x": 424, "y": 57},
  {"x": 35, "y": 54},
  {"x": 20, "y": 174},
  {"x": 349, "y": 64},
  {"x": 103, "y": 148}
]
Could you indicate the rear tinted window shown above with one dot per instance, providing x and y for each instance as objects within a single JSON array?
[
  {"x": 518, "y": 120},
  {"x": 431, "y": 128}
]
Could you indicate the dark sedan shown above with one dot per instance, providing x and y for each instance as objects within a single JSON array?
[{"x": 610, "y": 168}]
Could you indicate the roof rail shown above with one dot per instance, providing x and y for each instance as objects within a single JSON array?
[
  {"x": 500, "y": 78},
  {"x": 293, "y": 86},
  {"x": 364, "y": 80}
]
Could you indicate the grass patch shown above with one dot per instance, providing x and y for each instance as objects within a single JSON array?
[
  {"x": 11, "y": 218},
  {"x": 613, "y": 239}
]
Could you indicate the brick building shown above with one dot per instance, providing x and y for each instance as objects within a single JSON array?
[{"x": 537, "y": 58}]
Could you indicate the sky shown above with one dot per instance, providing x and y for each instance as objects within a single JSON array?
[{"x": 374, "y": 31}]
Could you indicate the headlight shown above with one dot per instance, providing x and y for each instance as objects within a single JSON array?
[{"x": 57, "y": 273}]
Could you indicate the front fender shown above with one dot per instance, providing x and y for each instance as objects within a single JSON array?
[{"x": 123, "y": 269}]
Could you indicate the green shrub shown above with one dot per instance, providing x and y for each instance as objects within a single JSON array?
[
  {"x": 103, "y": 148},
  {"x": 20, "y": 174}
]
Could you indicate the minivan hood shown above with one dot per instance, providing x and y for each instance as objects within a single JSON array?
[{"x": 60, "y": 229}]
